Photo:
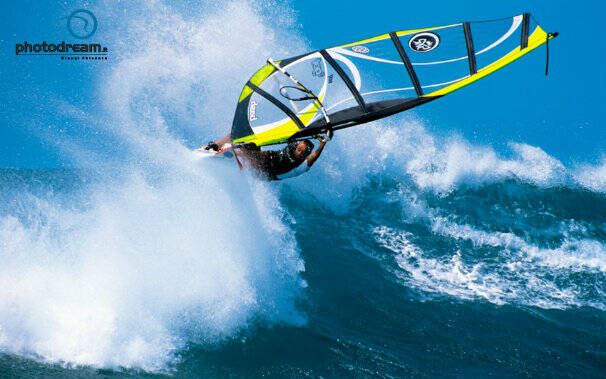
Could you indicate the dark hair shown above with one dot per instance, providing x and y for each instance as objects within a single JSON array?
[
  {"x": 292, "y": 146},
  {"x": 309, "y": 144}
]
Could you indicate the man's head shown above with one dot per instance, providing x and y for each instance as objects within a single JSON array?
[{"x": 300, "y": 150}]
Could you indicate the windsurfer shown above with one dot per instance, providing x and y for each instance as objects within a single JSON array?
[{"x": 293, "y": 160}]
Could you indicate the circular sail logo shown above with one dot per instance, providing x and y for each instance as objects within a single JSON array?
[
  {"x": 424, "y": 42},
  {"x": 360, "y": 49},
  {"x": 82, "y": 23}
]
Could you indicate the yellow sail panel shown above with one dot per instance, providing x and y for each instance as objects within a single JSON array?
[
  {"x": 271, "y": 136},
  {"x": 256, "y": 79}
]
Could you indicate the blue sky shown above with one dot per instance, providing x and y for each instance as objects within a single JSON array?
[{"x": 562, "y": 113}]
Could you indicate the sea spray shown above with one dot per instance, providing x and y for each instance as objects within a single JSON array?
[{"x": 156, "y": 249}]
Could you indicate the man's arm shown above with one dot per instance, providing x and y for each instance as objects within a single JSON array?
[
  {"x": 223, "y": 141},
  {"x": 316, "y": 154}
]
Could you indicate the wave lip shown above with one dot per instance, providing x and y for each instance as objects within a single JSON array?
[{"x": 404, "y": 150}]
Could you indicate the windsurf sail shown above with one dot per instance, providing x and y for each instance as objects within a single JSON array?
[{"x": 358, "y": 82}]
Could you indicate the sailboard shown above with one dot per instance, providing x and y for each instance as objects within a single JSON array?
[
  {"x": 225, "y": 153},
  {"x": 358, "y": 82}
]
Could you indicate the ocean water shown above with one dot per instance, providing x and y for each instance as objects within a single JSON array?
[
  {"x": 504, "y": 277},
  {"x": 424, "y": 256}
]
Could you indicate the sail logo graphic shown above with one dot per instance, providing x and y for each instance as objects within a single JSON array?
[
  {"x": 252, "y": 110},
  {"x": 316, "y": 68},
  {"x": 360, "y": 49},
  {"x": 82, "y": 23},
  {"x": 424, "y": 42}
]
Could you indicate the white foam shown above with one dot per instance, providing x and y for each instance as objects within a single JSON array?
[
  {"x": 402, "y": 147},
  {"x": 163, "y": 250},
  {"x": 520, "y": 272},
  {"x": 573, "y": 254},
  {"x": 448, "y": 275},
  {"x": 513, "y": 278},
  {"x": 592, "y": 177},
  {"x": 144, "y": 270}
]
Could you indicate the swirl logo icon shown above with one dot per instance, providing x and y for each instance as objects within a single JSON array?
[
  {"x": 424, "y": 42},
  {"x": 82, "y": 23}
]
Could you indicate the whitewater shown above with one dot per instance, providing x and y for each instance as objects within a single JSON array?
[{"x": 425, "y": 255}]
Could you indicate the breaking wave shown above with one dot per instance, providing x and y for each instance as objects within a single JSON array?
[{"x": 147, "y": 249}]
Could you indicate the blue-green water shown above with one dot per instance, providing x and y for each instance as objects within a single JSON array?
[{"x": 502, "y": 279}]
